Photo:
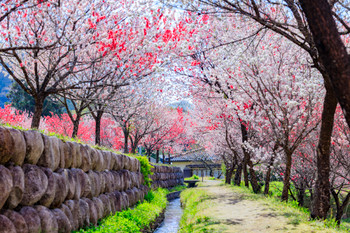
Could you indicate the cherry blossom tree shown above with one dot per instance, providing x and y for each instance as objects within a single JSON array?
[
  {"x": 13, "y": 7},
  {"x": 340, "y": 165},
  {"x": 61, "y": 39},
  {"x": 287, "y": 18},
  {"x": 168, "y": 129}
]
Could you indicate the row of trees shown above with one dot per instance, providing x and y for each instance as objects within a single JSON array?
[
  {"x": 156, "y": 128},
  {"x": 271, "y": 72},
  {"x": 271, "y": 95},
  {"x": 82, "y": 51},
  {"x": 101, "y": 60}
]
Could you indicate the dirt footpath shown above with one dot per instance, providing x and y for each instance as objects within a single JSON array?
[{"x": 230, "y": 211}]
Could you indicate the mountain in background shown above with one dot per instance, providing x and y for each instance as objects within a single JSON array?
[
  {"x": 184, "y": 104},
  {"x": 5, "y": 85}
]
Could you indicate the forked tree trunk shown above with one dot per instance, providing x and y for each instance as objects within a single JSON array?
[
  {"x": 76, "y": 123},
  {"x": 228, "y": 175},
  {"x": 126, "y": 141},
  {"x": 248, "y": 162},
  {"x": 134, "y": 143},
  {"x": 39, "y": 106},
  {"x": 253, "y": 179},
  {"x": 340, "y": 207},
  {"x": 238, "y": 175}
]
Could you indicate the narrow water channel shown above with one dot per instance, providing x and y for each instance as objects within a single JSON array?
[{"x": 173, "y": 213}]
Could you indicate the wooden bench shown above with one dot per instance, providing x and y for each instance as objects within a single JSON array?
[{"x": 191, "y": 183}]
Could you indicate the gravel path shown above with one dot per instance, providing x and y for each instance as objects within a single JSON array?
[{"x": 230, "y": 212}]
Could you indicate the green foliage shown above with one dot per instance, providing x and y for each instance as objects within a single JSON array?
[
  {"x": 178, "y": 188},
  {"x": 164, "y": 164},
  {"x": 223, "y": 168},
  {"x": 21, "y": 100},
  {"x": 191, "y": 200},
  {"x": 331, "y": 223},
  {"x": 149, "y": 196},
  {"x": 194, "y": 177},
  {"x": 212, "y": 178},
  {"x": 145, "y": 169},
  {"x": 134, "y": 220}
]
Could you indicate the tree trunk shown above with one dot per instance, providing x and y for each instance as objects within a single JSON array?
[
  {"x": 157, "y": 156},
  {"x": 39, "y": 106},
  {"x": 163, "y": 157},
  {"x": 246, "y": 154},
  {"x": 98, "y": 119},
  {"x": 340, "y": 207},
  {"x": 149, "y": 151},
  {"x": 253, "y": 179},
  {"x": 238, "y": 175},
  {"x": 286, "y": 180},
  {"x": 134, "y": 143},
  {"x": 332, "y": 52},
  {"x": 321, "y": 199},
  {"x": 268, "y": 176},
  {"x": 169, "y": 158},
  {"x": 335, "y": 59},
  {"x": 228, "y": 175},
  {"x": 245, "y": 174},
  {"x": 126, "y": 140},
  {"x": 133, "y": 150},
  {"x": 301, "y": 195},
  {"x": 76, "y": 123}
]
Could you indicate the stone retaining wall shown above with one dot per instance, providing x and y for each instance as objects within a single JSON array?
[
  {"x": 48, "y": 185},
  {"x": 166, "y": 177}
]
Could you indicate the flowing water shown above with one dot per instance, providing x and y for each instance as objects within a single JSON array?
[{"x": 173, "y": 213}]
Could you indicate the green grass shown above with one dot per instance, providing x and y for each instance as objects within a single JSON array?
[
  {"x": 194, "y": 177},
  {"x": 133, "y": 220},
  {"x": 178, "y": 188},
  {"x": 164, "y": 164},
  {"x": 193, "y": 202}
]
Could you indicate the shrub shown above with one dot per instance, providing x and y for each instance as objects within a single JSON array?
[
  {"x": 194, "y": 177},
  {"x": 145, "y": 169},
  {"x": 178, "y": 188},
  {"x": 134, "y": 220}
]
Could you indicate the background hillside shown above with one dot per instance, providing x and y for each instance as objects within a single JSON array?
[{"x": 5, "y": 84}]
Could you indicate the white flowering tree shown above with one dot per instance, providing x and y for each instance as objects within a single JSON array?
[{"x": 59, "y": 40}]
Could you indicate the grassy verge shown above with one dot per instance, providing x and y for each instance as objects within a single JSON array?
[
  {"x": 296, "y": 215},
  {"x": 194, "y": 177},
  {"x": 193, "y": 201},
  {"x": 178, "y": 188},
  {"x": 134, "y": 220}
]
